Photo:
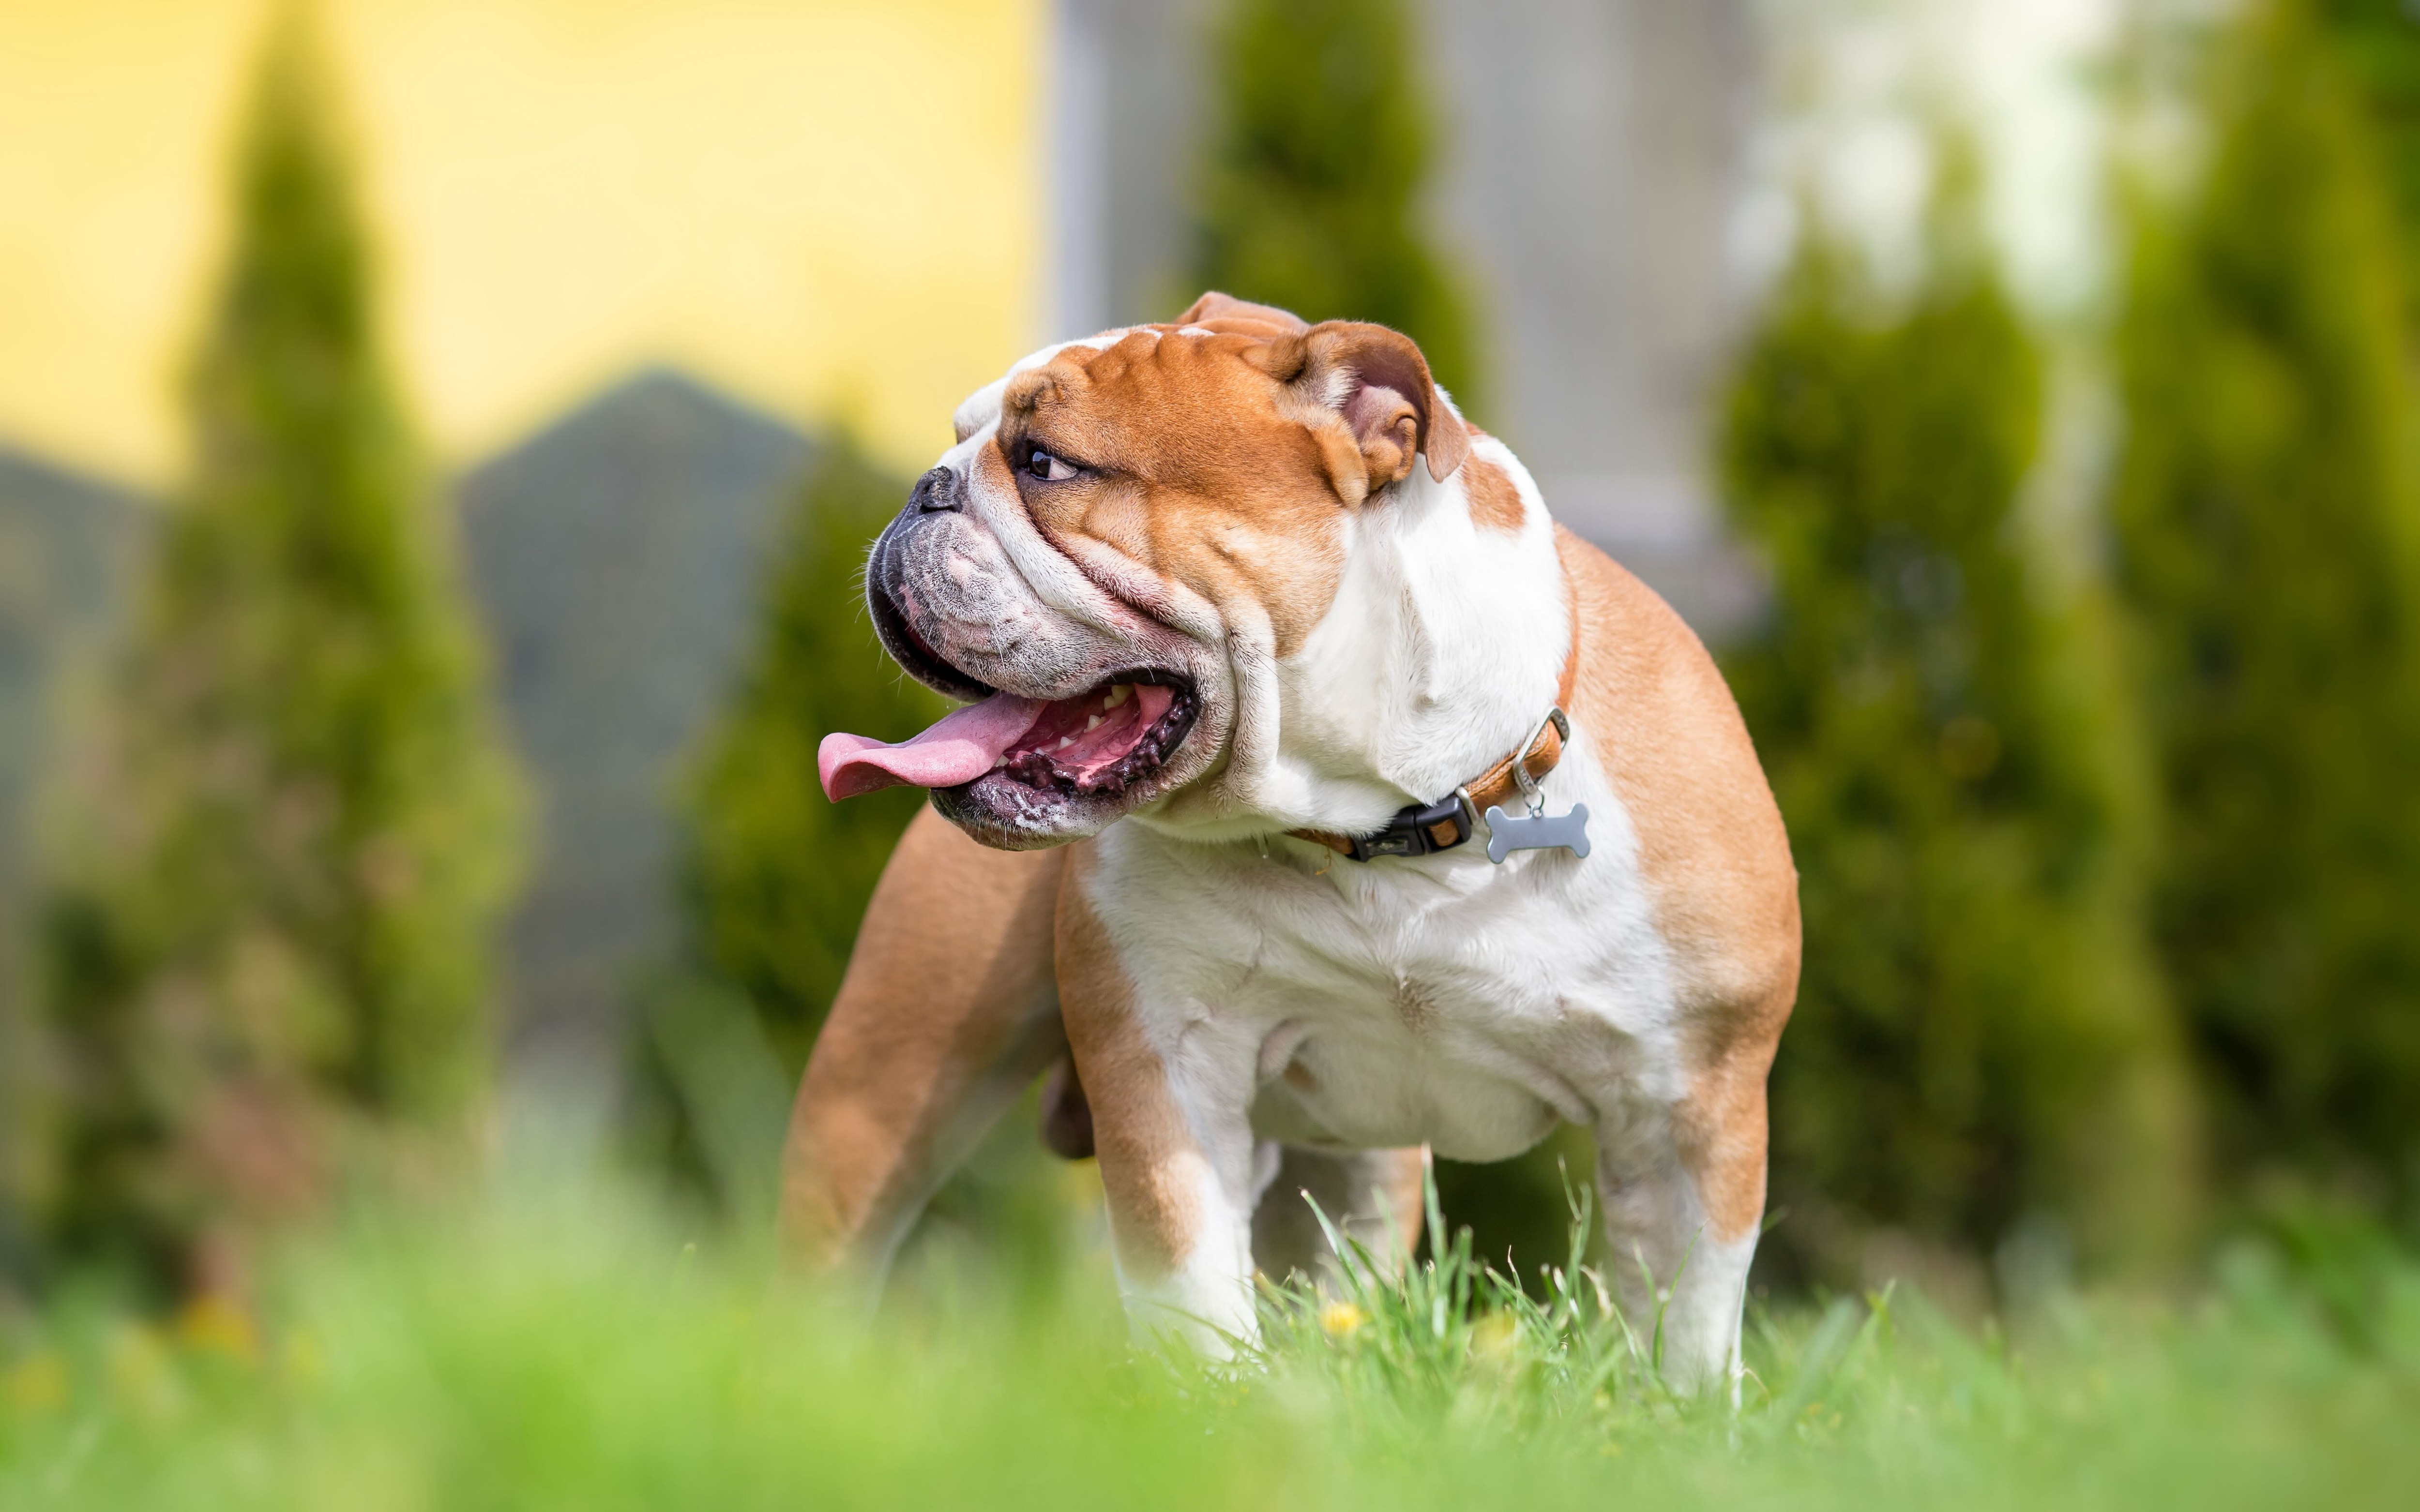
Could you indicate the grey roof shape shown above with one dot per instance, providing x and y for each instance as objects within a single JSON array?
[
  {"x": 616, "y": 557},
  {"x": 68, "y": 550}
]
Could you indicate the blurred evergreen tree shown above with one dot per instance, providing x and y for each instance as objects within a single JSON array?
[
  {"x": 1312, "y": 192},
  {"x": 287, "y": 839},
  {"x": 775, "y": 878},
  {"x": 2265, "y": 529},
  {"x": 1980, "y": 1038},
  {"x": 2377, "y": 43}
]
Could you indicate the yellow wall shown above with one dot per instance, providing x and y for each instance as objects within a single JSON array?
[{"x": 827, "y": 207}]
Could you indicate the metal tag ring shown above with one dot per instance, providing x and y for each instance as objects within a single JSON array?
[{"x": 1521, "y": 778}]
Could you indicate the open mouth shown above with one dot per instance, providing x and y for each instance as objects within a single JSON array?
[
  {"x": 1103, "y": 741},
  {"x": 1097, "y": 744}
]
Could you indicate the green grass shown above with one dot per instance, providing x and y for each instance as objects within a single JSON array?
[{"x": 538, "y": 1349}]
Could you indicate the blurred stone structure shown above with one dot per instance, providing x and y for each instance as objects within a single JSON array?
[
  {"x": 1593, "y": 152},
  {"x": 67, "y": 547},
  {"x": 616, "y": 558}
]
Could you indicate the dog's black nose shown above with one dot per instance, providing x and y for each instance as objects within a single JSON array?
[{"x": 936, "y": 492}]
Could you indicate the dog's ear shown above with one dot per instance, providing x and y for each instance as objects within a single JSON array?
[
  {"x": 1377, "y": 381},
  {"x": 1215, "y": 306}
]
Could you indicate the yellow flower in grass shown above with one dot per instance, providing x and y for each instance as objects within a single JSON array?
[
  {"x": 38, "y": 1383},
  {"x": 1342, "y": 1319},
  {"x": 212, "y": 1323},
  {"x": 1494, "y": 1337}
]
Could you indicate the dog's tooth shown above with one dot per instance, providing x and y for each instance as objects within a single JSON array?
[
  {"x": 1064, "y": 741},
  {"x": 1117, "y": 695},
  {"x": 1092, "y": 724}
]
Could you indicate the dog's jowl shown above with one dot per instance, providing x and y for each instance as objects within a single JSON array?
[{"x": 1324, "y": 801}]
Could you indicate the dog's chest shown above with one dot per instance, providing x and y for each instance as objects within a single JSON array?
[{"x": 1466, "y": 1007}]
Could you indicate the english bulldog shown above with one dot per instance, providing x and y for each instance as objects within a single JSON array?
[{"x": 1326, "y": 800}]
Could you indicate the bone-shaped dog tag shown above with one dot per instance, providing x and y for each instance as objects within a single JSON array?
[{"x": 1507, "y": 833}]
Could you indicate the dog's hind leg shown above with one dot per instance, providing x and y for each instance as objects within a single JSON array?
[
  {"x": 1373, "y": 1196},
  {"x": 946, "y": 1014},
  {"x": 1683, "y": 1187}
]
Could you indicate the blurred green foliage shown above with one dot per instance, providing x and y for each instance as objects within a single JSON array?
[
  {"x": 774, "y": 877},
  {"x": 2268, "y": 545},
  {"x": 288, "y": 836},
  {"x": 2376, "y": 44},
  {"x": 1980, "y": 1035},
  {"x": 1311, "y": 196}
]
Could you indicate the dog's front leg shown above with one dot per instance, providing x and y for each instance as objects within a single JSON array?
[{"x": 1175, "y": 1143}]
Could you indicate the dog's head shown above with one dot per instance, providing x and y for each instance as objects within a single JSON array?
[{"x": 1128, "y": 532}]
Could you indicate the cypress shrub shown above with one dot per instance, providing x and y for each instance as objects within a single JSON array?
[
  {"x": 289, "y": 837},
  {"x": 774, "y": 878},
  {"x": 2265, "y": 527},
  {"x": 2376, "y": 46},
  {"x": 1311, "y": 198},
  {"x": 1980, "y": 1040}
]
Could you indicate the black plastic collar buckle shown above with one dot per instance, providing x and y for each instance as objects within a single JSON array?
[{"x": 1412, "y": 832}]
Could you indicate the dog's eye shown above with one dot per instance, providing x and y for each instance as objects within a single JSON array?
[{"x": 1047, "y": 468}]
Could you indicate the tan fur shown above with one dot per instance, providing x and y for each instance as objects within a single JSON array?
[
  {"x": 1713, "y": 849},
  {"x": 1256, "y": 529},
  {"x": 1227, "y": 310},
  {"x": 1250, "y": 529},
  {"x": 1144, "y": 1147},
  {"x": 916, "y": 1032},
  {"x": 1495, "y": 500},
  {"x": 1374, "y": 381}
]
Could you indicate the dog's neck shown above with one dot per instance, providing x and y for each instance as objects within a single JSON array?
[{"x": 1441, "y": 651}]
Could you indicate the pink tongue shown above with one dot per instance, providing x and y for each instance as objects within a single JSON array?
[{"x": 959, "y": 748}]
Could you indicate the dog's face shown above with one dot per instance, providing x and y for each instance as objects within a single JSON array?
[{"x": 1126, "y": 530}]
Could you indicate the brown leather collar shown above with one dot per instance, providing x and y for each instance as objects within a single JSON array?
[{"x": 1423, "y": 830}]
